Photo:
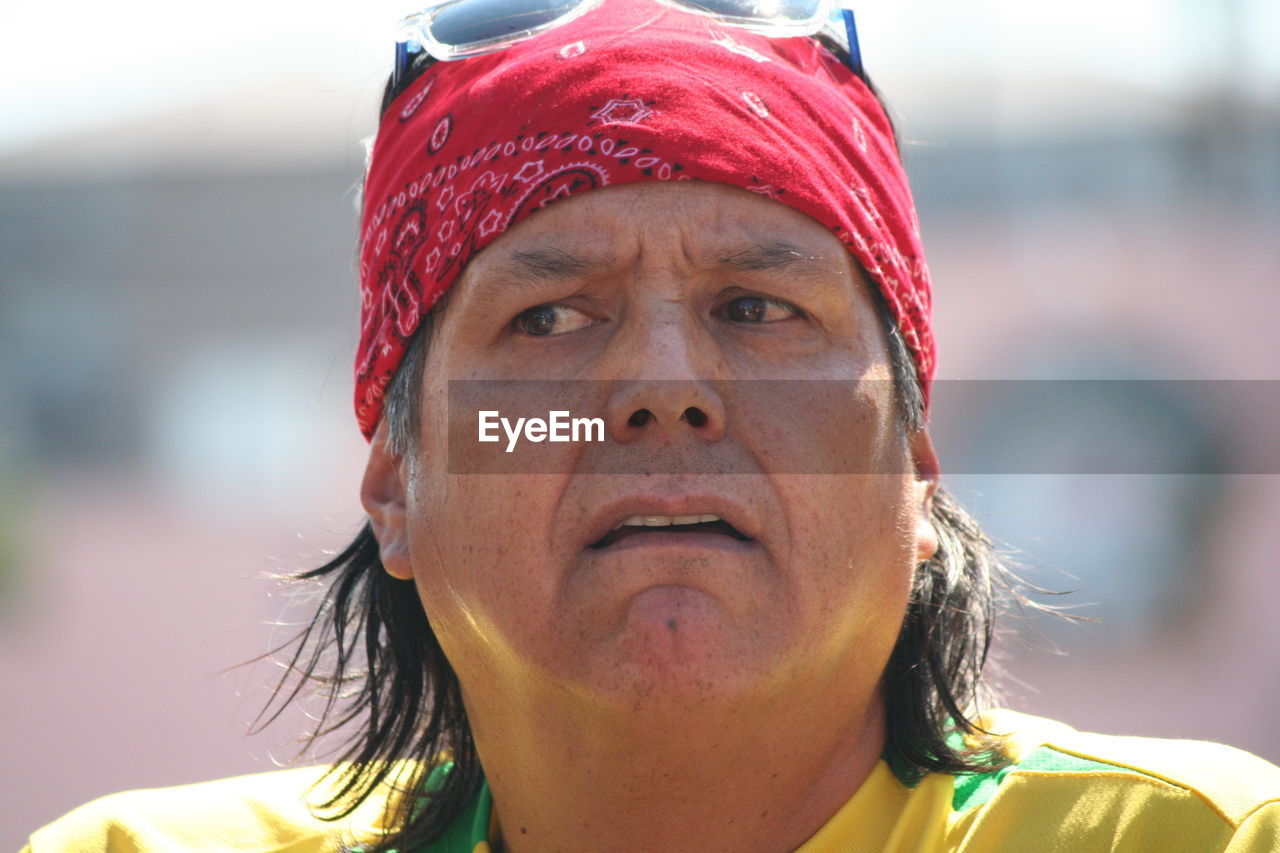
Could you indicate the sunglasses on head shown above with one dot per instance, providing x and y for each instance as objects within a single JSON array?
[{"x": 459, "y": 29}]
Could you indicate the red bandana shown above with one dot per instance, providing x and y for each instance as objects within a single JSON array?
[{"x": 629, "y": 92}]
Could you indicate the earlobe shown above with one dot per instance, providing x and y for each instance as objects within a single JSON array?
[
  {"x": 383, "y": 495},
  {"x": 928, "y": 473}
]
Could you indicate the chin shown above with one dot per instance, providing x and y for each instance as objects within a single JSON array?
[{"x": 678, "y": 645}]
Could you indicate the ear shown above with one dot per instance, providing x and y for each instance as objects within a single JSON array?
[
  {"x": 383, "y": 495},
  {"x": 928, "y": 471}
]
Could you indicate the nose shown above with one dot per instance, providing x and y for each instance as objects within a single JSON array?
[
  {"x": 665, "y": 407},
  {"x": 664, "y": 385}
]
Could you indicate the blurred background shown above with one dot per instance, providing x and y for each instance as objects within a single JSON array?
[{"x": 1099, "y": 187}]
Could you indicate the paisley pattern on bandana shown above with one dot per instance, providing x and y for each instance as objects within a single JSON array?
[{"x": 632, "y": 91}]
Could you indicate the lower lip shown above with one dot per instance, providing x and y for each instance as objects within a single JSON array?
[{"x": 680, "y": 542}]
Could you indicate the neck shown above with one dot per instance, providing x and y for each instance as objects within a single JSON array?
[{"x": 744, "y": 779}]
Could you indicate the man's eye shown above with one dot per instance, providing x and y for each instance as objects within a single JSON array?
[
  {"x": 544, "y": 320},
  {"x": 759, "y": 309}
]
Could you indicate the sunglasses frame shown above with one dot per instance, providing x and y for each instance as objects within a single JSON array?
[{"x": 413, "y": 34}]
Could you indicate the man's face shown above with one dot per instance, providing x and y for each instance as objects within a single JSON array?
[{"x": 665, "y": 295}]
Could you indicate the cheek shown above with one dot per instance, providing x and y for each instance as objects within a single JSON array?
[
  {"x": 481, "y": 559},
  {"x": 858, "y": 521},
  {"x": 854, "y": 555},
  {"x": 856, "y": 515}
]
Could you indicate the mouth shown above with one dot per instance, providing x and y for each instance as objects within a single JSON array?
[{"x": 664, "y": 526}]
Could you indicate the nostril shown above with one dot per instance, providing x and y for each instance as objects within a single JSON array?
[
  {"x": 639, "y": 418},
  {"x": 694, "y": 416}
]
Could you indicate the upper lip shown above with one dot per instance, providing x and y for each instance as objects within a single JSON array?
[{"x": 614, "y": 513}]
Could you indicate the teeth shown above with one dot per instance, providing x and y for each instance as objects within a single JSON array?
[{"x": 665, "y": 520}]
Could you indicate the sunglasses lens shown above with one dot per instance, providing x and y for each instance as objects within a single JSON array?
[
  {"x": 760, "y": 10},
  {"x": 472, "y": 22}
]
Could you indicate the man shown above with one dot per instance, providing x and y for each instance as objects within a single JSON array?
[{"x": 748, "y": 618}]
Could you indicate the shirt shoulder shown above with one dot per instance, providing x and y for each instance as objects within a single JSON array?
[
  {"x": 263, "y": 812},
  {"x": 1117, "y": 793},
  {"x": 1232, "y": 782}
]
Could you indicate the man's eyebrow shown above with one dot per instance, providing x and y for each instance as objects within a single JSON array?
[
  {"x": 553, "y": 263},
  {"x": 525, "y": 269},
  {"x": 549, "y": 263},
  {"x": 777, "y": 256}
]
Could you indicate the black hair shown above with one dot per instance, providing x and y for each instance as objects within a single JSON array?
[{"x": 371, "y": 651}]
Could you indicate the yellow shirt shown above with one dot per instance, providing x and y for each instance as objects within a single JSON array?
[{"x": 1065, "y": 791}]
